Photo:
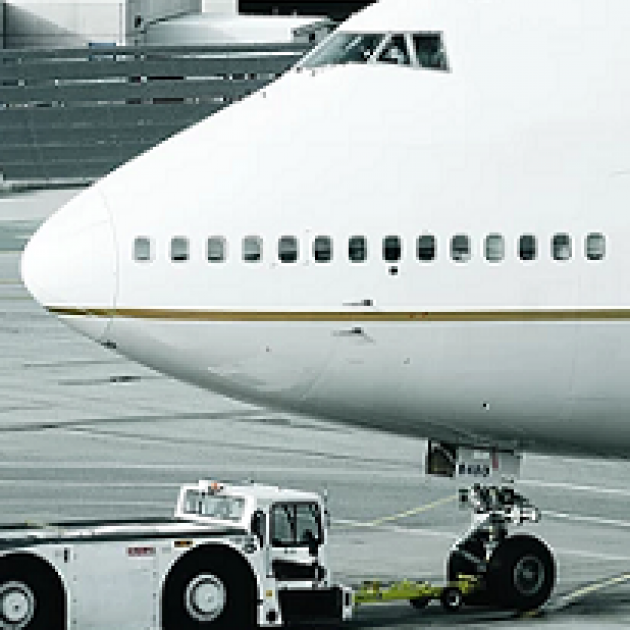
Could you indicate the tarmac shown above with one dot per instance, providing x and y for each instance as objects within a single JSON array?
[{"x": 86, "y": 433}]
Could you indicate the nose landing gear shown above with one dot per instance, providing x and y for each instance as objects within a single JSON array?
[{"x": 518, "y": 571}]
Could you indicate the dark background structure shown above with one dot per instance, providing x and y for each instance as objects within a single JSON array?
[{"x": 331, "y": 8}]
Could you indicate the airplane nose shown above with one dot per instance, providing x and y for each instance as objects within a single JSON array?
[{"x": 69, "y": 266}]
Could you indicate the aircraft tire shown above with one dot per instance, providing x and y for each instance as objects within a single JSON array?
[
  {"x": 209, "y": 588},
  {"x": 32, "y": 596},
  {"x": 521, "y": 573},
  {"x": 458, "y": 564}
]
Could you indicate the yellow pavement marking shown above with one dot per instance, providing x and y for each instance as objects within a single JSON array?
[
  {"x": 412, "y": 512},
  {"x": 597, "y": 586},
  {"x": 582, "y": 592}
]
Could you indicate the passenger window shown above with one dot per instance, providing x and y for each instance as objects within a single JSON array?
[
  {"x": 430, "y": 52},
  {"x": 495, "y": 248},
  {"x": 217, "y": 249},
  {"x": 357, "y": 249},
  {"x": 179, "y": 249},
  {"x": 460, "y": 248},
  {"x": 426, "y": 248},
  {"x": 344, "y": 48},
  {"x": 142, "y": 249},
  {"x": 392, "y": 249},
  {"x": 561, "y": 247},
  {"x": 252, "y": 249},
  {"x": 527, "y": 247},
  {"x": 595, "y": 246},
  {"x": 322, "y": 249},
  {"x": 288, "y": 249},
  {"x": 395, "y": 52}
]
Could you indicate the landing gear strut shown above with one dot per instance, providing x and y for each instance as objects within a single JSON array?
[{"x": 518, "y": 571}]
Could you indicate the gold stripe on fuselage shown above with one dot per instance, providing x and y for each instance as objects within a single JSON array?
[{"x": 347, "y": 316}]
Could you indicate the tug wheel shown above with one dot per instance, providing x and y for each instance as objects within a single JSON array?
[
  {"x": 32, "y": 596},
  {"x": 521, "y": 573},
  {"x": 420, "y": 603},
  {"x": 451, "y": 599},
  {"x": 209, "y": 588}
]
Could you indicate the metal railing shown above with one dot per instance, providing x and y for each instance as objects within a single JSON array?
[{"x": 75, "y": 114}]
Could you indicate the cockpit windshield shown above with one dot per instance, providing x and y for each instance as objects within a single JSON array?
[
  {"x": 430, "y": 52},
  {"x": 395, "y": 52},
  {"x": 344, "y": 48},
  {"x": 418, "y": 50}
]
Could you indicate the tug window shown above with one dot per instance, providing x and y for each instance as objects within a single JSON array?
[
  {"x": 426, "y": 248},
  {"x": 322, "y": 249},
  {"x": 495, "y": 248},
  {"x": 392, "y": 249},
  {"x": 217, "y": 249},
  {"x": 142, "y": 249},
  {"x": 357, "y": 249},
  {"x": 595, "y": 246},
  {"x": 295, "y": 524},
  {"x": 395, "y": 52},
  {"x": 344, "y": 48},
  {"x": 252, "y": 249},
  {"x": 180, "y": 249},
  {"x": 288, "y": 249},
  {"x": 561, "y": 247},
  {"x": 460, "y": 248},
  {"x": 527, "y": 247},
  {"x": 430, "y": 52}
]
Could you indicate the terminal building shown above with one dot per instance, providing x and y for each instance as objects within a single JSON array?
[
  {"x": 88, "y": 84},
  {"x": 70, "y": 23}
]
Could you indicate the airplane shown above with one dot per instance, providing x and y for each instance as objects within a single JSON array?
[{"x": 418, "y": 229}]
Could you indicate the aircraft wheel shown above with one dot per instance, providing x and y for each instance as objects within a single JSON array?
[
  {"x": 209, "y": 589},
  {"x": 521, "y": 573},
  {"x": 451, "y": 599},
  {"x": 32, "y": 596},
  {"x": 458, "y": 564}
]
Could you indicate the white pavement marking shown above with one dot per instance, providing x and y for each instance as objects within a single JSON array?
[
  {"x": 594, "y": 520},
  {"x": 574, "y": 487}
]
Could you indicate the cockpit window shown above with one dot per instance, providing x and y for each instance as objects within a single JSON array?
[
  {"x": 420, "y": 50},
  {"x": 344, "y": 48},
  {"x": 430, "y": 51},
  {"x": 395, "y": 52}
]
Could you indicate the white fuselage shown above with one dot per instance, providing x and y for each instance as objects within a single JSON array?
[{"x": 527, "y": 133}]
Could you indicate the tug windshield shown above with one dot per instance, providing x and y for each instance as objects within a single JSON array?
[{"x": 417, "y": 50}]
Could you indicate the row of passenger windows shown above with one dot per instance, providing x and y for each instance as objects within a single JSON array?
[{"x": 562, "y": 247}]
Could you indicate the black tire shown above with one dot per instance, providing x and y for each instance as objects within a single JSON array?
[
  {"x": 451, "y": 599},
  {"x": 210, "y": 587},
  {"x": 32, "y": 595},
  {"x": 458, "y": 564},
  {"x": 420, "y": 603},
  {"x": 521, "y": 573}
]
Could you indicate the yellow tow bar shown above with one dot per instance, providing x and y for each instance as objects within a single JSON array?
[{"x": 419, "y": 594}]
